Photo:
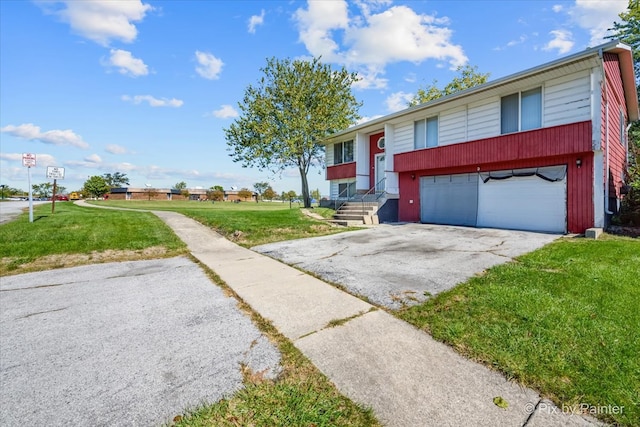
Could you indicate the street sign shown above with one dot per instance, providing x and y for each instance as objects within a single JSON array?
[
  {"x": 54, "y": 172},
  {"x": 29, "y": 160}
]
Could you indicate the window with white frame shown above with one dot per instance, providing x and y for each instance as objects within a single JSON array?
[
  {"x": 346, "y": 189},
  {"x": 521, "y": 111},
  {"x": 425, "y": 133},
  {"x": 343, "y": 152}
]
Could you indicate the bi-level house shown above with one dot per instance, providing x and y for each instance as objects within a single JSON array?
[{"x": 544, "y": 149}]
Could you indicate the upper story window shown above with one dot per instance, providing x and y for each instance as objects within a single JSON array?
[
  {"x": 425, "y": 133},
  {"x": 521, "y": 111},
  {"x": 343, "y": 152}
]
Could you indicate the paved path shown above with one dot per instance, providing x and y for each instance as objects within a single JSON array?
[
  {"x": 121, "y": 344},
  {"x": 408, "y": 378}
]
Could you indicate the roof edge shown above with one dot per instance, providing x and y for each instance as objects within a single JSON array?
[{"x": 614, "y": 46}]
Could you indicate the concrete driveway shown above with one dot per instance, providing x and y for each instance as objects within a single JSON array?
[
  {"x": 396, "y": 264},
  {"x": 132, "y": 343}
]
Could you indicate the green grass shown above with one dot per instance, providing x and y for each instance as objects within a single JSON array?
[
  {"x": 246, "y": 223},
  {"x": 564, "y": 320},
  {"x": 76, "y": 235},
  {"x": 300, "y": 396}
]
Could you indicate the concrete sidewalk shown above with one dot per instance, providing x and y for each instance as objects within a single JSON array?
[{"x": 408, "y": 378}]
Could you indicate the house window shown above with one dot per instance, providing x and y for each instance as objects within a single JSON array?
[
  {"x": 381, "y": 143},
  {"x": 346, "y": 190},
  {"x": 425, "y": 133},
  {"x": 343, "y": 152},
  {"x": 521, "y": 111}
]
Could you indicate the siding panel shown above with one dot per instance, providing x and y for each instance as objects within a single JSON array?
[
  {"x": 484, "y": 119},
  {"x": 403, "y": 137},
  {"x": 567, "y": 100},
  {"x": 452, "y": 126}
]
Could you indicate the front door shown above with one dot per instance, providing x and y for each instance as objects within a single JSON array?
[{"x": 380, "y": 161}]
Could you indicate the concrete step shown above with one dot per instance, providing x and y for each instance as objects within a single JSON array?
[
  {"x": 346, "y": 223},
  {"x": 349, "y": 217},
  {"x": 355, "y": 212}
]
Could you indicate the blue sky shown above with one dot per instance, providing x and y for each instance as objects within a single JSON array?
[{"x": 147, "y": 87}]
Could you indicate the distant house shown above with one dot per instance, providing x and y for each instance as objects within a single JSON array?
[
  {"x": 544, "y": 149},
  {"x": 199, "y": 194}
]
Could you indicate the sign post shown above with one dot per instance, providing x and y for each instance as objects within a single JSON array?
[
  {"x": 29, "y": 161},
  {"x": 55, "y": 173}
]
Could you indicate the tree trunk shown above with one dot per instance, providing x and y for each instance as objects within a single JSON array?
[{"x": 305, "y": 188}]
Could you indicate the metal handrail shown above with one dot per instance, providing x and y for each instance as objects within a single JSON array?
[
  {"x": 335, "y": 201},
  {"x": 377, "y": 185}
]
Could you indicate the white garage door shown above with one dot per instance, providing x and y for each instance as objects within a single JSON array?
[{"x": 524, "y": 202}]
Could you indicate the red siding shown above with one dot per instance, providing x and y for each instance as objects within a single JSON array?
[
  {"x": 613, "y": 101},
  {"x": 347, "y": 170},
  {"x": 579, "y": 187},
  {"x": 373, "y": 150},
  {"x": 554, "y": 141}
]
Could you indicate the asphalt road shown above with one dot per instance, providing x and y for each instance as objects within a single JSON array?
[
  {"x": 395, "y": 264},
  {"x": 10, "y": 209},
  {"x": 120, "y": 344}
]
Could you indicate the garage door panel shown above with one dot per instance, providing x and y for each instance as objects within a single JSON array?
[
  {"x": 449, "y": 199},
  {"x": 523, "y": 203}
]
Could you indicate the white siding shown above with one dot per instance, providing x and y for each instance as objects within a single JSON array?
[
  {"x": 452, "y": 126},
  {"x": 483, "y": 119},
  {"x": 328, "y": 154},
  {"x": 403, "y": 137},
  {"x": 567, "y": 100}
]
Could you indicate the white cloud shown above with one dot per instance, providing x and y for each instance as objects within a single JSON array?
[
  {"x": 115, "y": 149},
  {"x": 398, "y": 101},
  {"x": 597, "y": 16},
  {"x": 126, "y": 63},
  {"x": 373, "y": 40},
  {"x": 153, "y": 102},
  {"x": 369, "y": 79},
  {"x": 561, "y": 41},
  {"x": 557, "y": 8},
  {"x": 101, "y": 20},
  {"x": 42, "y": 159},
  {"x": 225, "y": 112},
  {"x": 210, "y": 67},
  {"x": 256, "y": 20},
  {"x": 316, "y": 24},
  {"x": 32, "y": 132},
  {"x": 94, "y": 158}
]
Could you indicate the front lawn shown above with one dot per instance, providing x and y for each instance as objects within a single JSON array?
[
  {"x": 247, "y": 223},
  {"x": 76, "y": 235},
  {"x": 564, "y": 320}
]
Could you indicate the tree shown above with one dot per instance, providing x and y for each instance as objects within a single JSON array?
[
  {"x": 96, "y": 186},
  {"x": 469, "y": 77},
  {"x": 260, "y": 188},
  {"x": 316, "y": 194},
  {"x": 180, "y": 185},
  {"x": 269, "y": 193},
  {"x": 215, "y": 195},
  {"x": 218, "y": 188},
  {"x": 245, "y": 193},
  {"x": 291, "y": 194},
  {"x": 115, "y": 180},
  {"x": 294, "y": 106},
  {"x": 628, "y": 31},
  {"x": 151, "y": 193},
  {"x": 43, "y": 190}
]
